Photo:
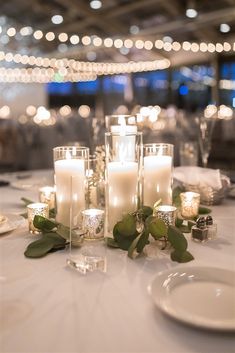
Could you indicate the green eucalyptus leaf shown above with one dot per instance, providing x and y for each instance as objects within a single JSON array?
[
  {"x": 26, "y": 201},
  {"x": 63, "y": 231},
  {"x": 204, "y": 210},
  {"x": 144, "y": 240},
  {"x": 176, "y": 196},
  {"x": 184, "y": 229},
  {"x": 149, "y": 220},
  {"x": 52, "y": 213},
  {"x": 43, "y": 223},
  {"x": 56, "y": 238},
  {"x": 132, "y": 248},
  {"x": 39, "y": 248},
  {"x": 146, "y": 211},
  {"x": 127, "y": 226},
  {"x": 191, "y": 224},
  {"x": 123, "y": 241},
  {"x": 181, "y": 257},
  {"x": 157, "y": 228},
  {"x": 111, "y": 242},
  {"x": 177, "y": 239},
  {"x": 179, "y": 221}
]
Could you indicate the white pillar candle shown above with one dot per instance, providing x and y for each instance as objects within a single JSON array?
[
  {"x": 157, "y": 179},
  {"x": 122, "y": 178},
  {"x": 124, "y": 141},
  {"x": 69, "y": 171}
]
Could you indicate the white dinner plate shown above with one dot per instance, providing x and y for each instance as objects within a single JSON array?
[
  {"x": 27, "y": 184},
  {"x": 13, "y": 222},
  {"x": 199, "y": 296}
]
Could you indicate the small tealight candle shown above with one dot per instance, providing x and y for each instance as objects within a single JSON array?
[
  {"x": 189, "y": 204},
  {"x": 47, "y": 195},
  {"x": 93, "y": 223},
  {"x": 33, "y": 209},
  {"x": 167, "y": 213}
]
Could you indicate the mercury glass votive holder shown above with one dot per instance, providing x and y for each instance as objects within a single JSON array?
[
  {"x": 190, "y": 202},
  {"x": 93, "y": 223},
  {"x": 47, "y": 195},
  {"x": 39, "y": 209},
  {"x": 167, "y": 213}
]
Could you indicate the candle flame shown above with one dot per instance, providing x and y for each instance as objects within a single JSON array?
[
  {"x": 122, "y": 123},
  {"x": 68, "y": 155}
]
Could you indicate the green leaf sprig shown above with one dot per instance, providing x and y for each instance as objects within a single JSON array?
[
  {"x": 54, "y": 236},
  {"x": 133, "y": 233}
]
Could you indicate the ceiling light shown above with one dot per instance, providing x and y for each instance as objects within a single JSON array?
[
  {"x": 63, "y": 37},
  {"x": 11, "y": 32},
  {"x": 74, "y": 39},
  {"x": 167, "y": 39},
  {"x": 62, "y": 48},
  {"x": 26, "y": 31},
  {"x": 191, "y": 11},
  {"x": 134, "y": 29},
  {"x": 57, "y": 19},
  {"x": 91, "y": 55},
  {"x": 224, "y": 28},
  {"x": 50, "y": 36},
  {"x": 38, "y": 34},
  {"x": 95, "y": 4}
]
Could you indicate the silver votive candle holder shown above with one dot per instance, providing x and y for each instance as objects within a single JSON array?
[
  {"x": 47, "y": 195},
  {"x": 167, "y": 213},
  {"x": 36, "y": 209},
  {"x": 190, "y": 202},
  {"x": 93, "y": 223}
]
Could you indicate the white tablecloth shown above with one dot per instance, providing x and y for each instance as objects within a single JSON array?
[{"x": 47, "y": 307}]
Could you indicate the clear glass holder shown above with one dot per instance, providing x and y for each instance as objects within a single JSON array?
[{"x": 86, "y": 252}]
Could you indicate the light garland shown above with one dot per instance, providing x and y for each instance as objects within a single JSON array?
[
  {"x": 118, "y": 43},
  {"x": 101, "y": 68},
  {"x": 38, "y": 75}
]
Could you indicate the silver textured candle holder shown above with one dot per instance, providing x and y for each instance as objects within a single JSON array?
[
  {"x": 36, "y": 209},
  {"x": 167, "y": 213},
  {"x": 189, "y": 204},
  {"x": 93, "y": 223}
]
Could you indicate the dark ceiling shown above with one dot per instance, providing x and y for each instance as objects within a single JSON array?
[{"x": 154, "y": 18}]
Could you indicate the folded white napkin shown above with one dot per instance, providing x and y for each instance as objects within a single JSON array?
[{"x": 199, "y": 176}]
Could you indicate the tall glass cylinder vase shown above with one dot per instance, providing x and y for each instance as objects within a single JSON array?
[
  {"x": 158, "y": 164},
  {"x": 124, "y": 156},
  {"x": 121, "y": 123},
  {"x": 70, "y": 161}
]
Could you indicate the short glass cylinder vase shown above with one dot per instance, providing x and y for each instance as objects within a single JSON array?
[
  {"x": 70, "y": 161},
  {"x": 158, "y": 173},
  {"x": 123, "y": 178}
]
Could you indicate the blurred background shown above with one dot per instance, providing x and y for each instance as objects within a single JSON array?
[{"x": 64, "y": 65}]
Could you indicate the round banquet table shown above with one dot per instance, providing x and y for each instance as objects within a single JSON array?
[{"x": 45, "y": 306}]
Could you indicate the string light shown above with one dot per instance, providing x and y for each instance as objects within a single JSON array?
[
  {"x": 44, "y": 75},
  {"x": 101, "y": 68},
  {"x": 121, "y": 42}
]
